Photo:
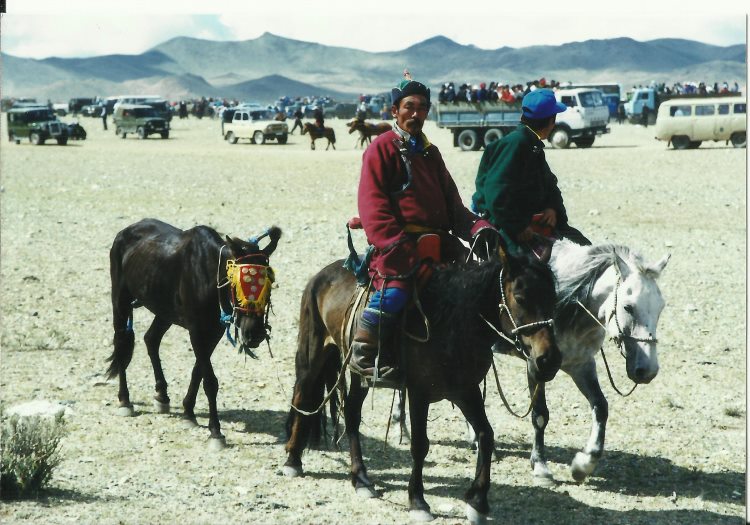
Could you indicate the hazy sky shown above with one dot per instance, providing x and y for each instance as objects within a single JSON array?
[{"x": 82, "y": 28}]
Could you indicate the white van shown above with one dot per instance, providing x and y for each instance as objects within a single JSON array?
[{"x": 686, "y": 122}]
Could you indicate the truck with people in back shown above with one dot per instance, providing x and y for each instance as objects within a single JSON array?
[{"x": 477, "y": 124}]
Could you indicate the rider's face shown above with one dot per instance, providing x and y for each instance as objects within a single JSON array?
[{"x": 411, "y": 113}]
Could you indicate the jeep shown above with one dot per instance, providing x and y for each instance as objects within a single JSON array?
[
  {"x": 256, "y": 125},
  {"x": 37, "y": 123},
  {"x": 139, "y": 119}
]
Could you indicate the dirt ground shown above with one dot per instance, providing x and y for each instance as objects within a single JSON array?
[{"x": 675, "y": 450}]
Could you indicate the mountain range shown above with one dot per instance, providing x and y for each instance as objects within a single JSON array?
[{"x": 264, "y": 68}]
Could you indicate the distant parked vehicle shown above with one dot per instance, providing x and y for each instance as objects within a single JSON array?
[
  {"x": 37, "y": 124},
  {"x": 76, "y": 104},
  {"x": 92, "y": 110},
  {"x": 139, "y": 119},
  {"x": 686, "y": 123},
  {"x": 257, "y": 126}
]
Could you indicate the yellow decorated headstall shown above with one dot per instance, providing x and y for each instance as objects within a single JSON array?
[{"x": 251, "y": 283}]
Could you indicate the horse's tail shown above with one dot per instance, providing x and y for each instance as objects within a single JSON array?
[
  {"x": 122, "y": 313},
  {"x": 316, "y": 367}
]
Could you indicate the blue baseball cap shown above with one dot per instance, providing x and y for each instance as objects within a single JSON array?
[{"x": 540, "y": 104}]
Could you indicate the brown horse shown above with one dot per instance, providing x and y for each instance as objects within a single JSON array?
[
  {"x": 197, "y": 280},
  {"x": 465, "y": 306},
  {"x": 316, "y": 133},
  {"x": 367, "y": 130}
]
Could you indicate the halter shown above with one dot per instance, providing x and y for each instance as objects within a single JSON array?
[
  {"x": 516, "y": 341},
  {"x": 620, "y": 337},
  {"x": 250, "y": 294}
]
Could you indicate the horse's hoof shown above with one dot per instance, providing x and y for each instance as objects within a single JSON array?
[
  {"x": 161, "y": 408},
  {"x": 582, "y": 466},
  {"x": 188, "y": 422},
  {"x": 291, "y": 471},
  {"x": 420, "y": 515},
  {"x": 217, "y": 444},
  {"x": 542, "y": 476},
  {"x": 366, "y": 492},
  {"x": 125, "y": 411},
  {"x": 475, "y": 517}
]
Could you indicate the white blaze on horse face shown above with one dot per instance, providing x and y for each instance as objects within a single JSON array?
[{"x": 639, "y": 305}]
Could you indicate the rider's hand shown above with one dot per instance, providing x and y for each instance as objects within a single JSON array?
[
  {"x": 549, "y": 217},
  {"x": 526, "y": 234}
]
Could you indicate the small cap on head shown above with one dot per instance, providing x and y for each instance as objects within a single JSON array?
[
  {"x": 408, "y": 87},
  {"x": 540, "y": 104}
]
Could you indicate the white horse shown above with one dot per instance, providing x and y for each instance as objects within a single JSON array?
[{"x": 602, "y": 291}]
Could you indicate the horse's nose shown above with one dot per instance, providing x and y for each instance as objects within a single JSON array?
[
  {"x": 549, "y": 363},
  {"x": 644, "y": 375}
]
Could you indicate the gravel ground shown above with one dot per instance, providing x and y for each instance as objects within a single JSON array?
[{"x": 675, "y": 450}]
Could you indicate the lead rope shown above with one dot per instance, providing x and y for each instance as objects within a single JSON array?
[{"x": 505, "y": 401}]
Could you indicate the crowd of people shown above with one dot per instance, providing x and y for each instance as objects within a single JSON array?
[
  {"x": 495, "y": 91},
  {"x": 693, "y": 88}
]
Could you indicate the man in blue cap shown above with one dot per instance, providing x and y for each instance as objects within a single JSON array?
[{"x": 515, "y": 188}]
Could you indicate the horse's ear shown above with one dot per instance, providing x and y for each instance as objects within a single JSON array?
[
  {"x": 274, "y": 233},
  {"x": 655, "y": 269},
  {"x": 621, "y": 265}
]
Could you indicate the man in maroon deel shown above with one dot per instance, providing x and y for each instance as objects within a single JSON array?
[{"x": 405, "y": 191}]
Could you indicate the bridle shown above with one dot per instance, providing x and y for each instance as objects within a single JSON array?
[
  {"x": 618, "y": 339},
  {"x": 517, "y": 330},
  {"x": 248, "y": 279}
]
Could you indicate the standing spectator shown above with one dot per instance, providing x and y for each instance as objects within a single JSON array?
[
  {"x": 297, "y": 120},
  {"x": 644, "y": 115},
  {"x": 620, "y": 112},
  {"x": 104, "y": 116}
]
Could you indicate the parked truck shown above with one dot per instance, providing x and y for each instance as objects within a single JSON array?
[
  {"x": 477, "y": 124},
  {"x": 652, "y": 99}
]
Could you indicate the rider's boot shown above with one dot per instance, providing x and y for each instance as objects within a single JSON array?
[{"x": 365, "y": 346}]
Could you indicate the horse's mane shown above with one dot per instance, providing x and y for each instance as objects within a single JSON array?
[
  {"x": 577, "y": 268},
  {"x": 453, "y": 299}
]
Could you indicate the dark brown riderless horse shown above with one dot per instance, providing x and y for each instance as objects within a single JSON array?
[
  {"x": 197, "y": 280},
  {"x": 316, "y": 133},
  {"x": 465, "y": 306},
  {"x": 367, "y": 130}
]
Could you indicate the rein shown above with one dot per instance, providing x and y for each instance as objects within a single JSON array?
[
  {"x": 618, "y": 339},
  {"x": 517, "y": 343}
]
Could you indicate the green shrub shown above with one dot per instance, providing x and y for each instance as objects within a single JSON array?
[{"x": 29, "y": 452}]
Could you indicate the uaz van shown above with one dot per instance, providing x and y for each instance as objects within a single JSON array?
[{"x": 685, "y": 123}]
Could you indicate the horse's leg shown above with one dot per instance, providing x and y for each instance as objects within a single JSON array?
[
  {"x": 188, "y": 403},
  {"x": 203, "y": 346},
  {"x": 472, "y": 405},
  {"x": 353, "y": 417},
  {"x": 419, "y": 407},
  {"x": 399, "y": 415},
  {"x": 312, "y": 142},
  {"x": 587, "y": 382},
  {"x": 124, "y": 341},
  {"x": 539, "y": 419},
  {"x": 153, "y": 337}
]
